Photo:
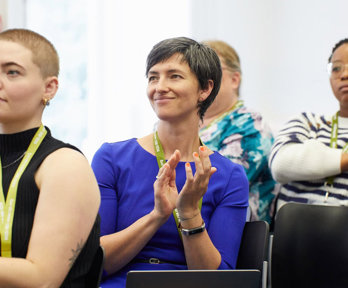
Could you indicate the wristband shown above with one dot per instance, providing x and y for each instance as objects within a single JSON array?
[
  {"x": 185, "y": 219},
  {"x": 192, "y": 231}
]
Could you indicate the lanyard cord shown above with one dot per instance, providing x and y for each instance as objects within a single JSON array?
[
  {"x": 333, "y": 144},
  {"x": 7, "y": 207},
  {"x": 161, "y": 161}
]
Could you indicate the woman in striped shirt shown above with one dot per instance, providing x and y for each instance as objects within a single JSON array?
[{"x": 309, "y": 157}]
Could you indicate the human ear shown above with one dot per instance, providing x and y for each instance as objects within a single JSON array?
[
  {"x": 51, "y": 87},
  {"x": 235, "y": 80},
  {"x": 207, "y": 90}
]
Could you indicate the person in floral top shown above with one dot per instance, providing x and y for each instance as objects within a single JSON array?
[{"x": 240, "y": 134}]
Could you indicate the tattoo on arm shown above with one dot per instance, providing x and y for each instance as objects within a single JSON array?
[{"x": 75, "y": 253}]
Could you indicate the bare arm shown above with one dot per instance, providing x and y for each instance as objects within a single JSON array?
[
  {"x": 121, "y": 247},
  {"x": 65, "y": 213},
  {"x": 200, "y": 252}
]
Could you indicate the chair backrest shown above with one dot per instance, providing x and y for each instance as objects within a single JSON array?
[
  {"x": 95, "y": 273},
  {"x": 253, "y": 251},
  {"x": 310, "y": 246},
  {"x": 254, "y": 246}
]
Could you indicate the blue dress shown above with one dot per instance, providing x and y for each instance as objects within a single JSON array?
[{"x": 126, "y": 173}]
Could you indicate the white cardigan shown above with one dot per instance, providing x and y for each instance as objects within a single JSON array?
[{"x": 301, "y": 160}]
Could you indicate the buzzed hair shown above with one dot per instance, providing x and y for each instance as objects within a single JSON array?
[{"x": 44, "y": 55}]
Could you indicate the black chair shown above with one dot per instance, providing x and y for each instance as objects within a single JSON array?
[
  {"x": 253, "y": 251},
  {"x": 95, "y": 273},
  {"x": 310, "y": 246}
]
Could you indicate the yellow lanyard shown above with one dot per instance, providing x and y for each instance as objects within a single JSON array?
[
  {"x": 333, "y": 143},
  {"x": 7, "y": 207},
  {"x": 161, "y": 161}
]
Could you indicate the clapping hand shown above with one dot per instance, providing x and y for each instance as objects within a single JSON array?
[
  {"x": 196, "y": 185},
  {"x": 165, "y": 189}
]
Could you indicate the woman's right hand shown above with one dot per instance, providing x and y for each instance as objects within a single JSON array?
[
  {"x": 165, "y": 189},
  {"x": 196, "y": 185}
]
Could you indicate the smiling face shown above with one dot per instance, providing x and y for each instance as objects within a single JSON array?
[
  {"x": 22, "y": 88},
  {"x": 339, "y": 84},
  {"x": 174, "y": 91}
]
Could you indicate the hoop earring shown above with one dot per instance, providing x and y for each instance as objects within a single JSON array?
[{"x": 46, "y": 102}]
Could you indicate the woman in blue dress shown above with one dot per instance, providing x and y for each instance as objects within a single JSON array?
[{"x": 157, "y": 209}]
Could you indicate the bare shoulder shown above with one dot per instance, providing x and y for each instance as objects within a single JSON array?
[
  {"x": 66, "y": 158},
  {"x": 65, "y": 154},
  {"x": 68, "y": 169}
]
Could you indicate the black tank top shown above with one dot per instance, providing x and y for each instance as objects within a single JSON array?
[{"x": 12, "y": 147}]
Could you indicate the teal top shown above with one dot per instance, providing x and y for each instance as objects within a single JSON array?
[{"x": 243, "y": 136}]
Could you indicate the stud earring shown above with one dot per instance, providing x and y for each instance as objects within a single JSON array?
[{"x": 46, "y": 102}]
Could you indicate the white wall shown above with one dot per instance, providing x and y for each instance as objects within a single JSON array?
[
  {"x": 12, "y": 13},
  {"x": 3, "y": 14},
  {"x": 284, "y": 46},
  {"x": 121, "y": 34}
]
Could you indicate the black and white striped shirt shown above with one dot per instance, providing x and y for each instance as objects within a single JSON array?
[{"x": 302, "y": 160}]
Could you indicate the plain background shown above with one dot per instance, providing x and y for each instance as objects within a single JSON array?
[{"x": 283, "y": 45}]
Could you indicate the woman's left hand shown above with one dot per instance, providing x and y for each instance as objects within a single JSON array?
[
  {"x": 196, "y": 185},
  {"x": 165, "y": 187}
]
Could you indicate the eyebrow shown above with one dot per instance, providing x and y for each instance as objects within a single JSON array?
[
  {"x": 7, "y": 64},
  {"x": 169, "y": 71}
]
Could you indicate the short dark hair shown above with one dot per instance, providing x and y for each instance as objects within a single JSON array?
[
  {"x": 338, "y": 44},
  {"x": 202, "y": 60}
]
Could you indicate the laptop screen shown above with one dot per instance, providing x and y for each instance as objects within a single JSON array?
[{"x": 194, "y": 278}]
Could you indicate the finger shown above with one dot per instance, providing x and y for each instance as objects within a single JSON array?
[
  {"x": 170, "y": 174},
  {"x": 174, "y": 159},
  {"x": 198, "y": 164},
  {"x": 172, "y": 182},
  {"x": 204, "y": 155},
  {"x": 212, "y": 171},
  {"x": 189, "y": 175},
  {"x": 161, "y": 172}
]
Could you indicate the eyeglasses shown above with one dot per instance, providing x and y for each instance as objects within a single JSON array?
[{"x": 336, "y": 69}]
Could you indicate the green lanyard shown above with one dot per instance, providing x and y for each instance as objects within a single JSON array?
[
  {"x": 161, "y": 160},
  {"x": 7, "y": 207},
  {"x": 333, "y": 142}
]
